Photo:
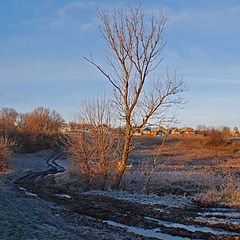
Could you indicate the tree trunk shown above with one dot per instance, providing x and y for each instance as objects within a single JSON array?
[{"x": 123, "y": 162}]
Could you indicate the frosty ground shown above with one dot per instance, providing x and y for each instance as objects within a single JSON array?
[
  {"x": 41, "y": 207},
  {"x": 25, "y": 216}
]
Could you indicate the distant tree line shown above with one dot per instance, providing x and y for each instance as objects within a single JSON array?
[
  {"x": 217, "y": 136},
  {"x": 31, "y": 131}
]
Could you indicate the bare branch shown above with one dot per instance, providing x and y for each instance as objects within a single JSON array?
[{"x": 106, "y": 75}]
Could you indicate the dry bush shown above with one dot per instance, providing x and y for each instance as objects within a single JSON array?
[
  {"x": 31, "y": 131},
  {"x": 233, "y": 147},
  {"x": 215, "y": 138},
  {"x": 5, "y": 153},
  {"x": 41, "y": 120},
  {"x": 93, "y": 155},
  {"x": 94, "y": 149},
  {"x": 226, "y": 132},
  {"x": 39, "y": 130},
  {"x": 8, "y": 120},
  {"x": 32, "y": 142}
]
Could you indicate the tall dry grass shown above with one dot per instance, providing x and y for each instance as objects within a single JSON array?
[
  {"x": 5, "y": 153},
  {"x": 224, "y": 193},
  {"x": 191, "y": 166}
]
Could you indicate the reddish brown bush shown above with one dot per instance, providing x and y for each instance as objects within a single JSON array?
[
  {"x": 41, "y": 120},
  {"x": 31, "y": 131},
  {"x": 8, "y": 120},
  {"x": 39, "y": 129},
  {"x": 5, "y": 153},
  {"x": 215, "y": 138},
  {"x": 94, "y": 150}
]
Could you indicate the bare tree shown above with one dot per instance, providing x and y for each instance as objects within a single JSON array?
[
  {"x": 8, "y": 120},
  {"x": 135, "y": 42},
  {"x": 94, "y": 149}
]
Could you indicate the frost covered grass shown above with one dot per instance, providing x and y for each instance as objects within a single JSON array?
[
  {"x": 226, "y": 193},
  {"x": 188, "y": 167},
  {"x": 167, "y": 200},
  {"x": 185, "y": 168}
]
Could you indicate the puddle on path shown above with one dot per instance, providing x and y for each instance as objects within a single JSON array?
[
  {"x": 193, "y": 228},
  {"x": 221, "y": 212},
  {"x": 220, "y": 215},
  {"x": 154, "y": 233}
]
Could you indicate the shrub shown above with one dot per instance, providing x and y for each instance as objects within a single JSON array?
[
  {"x": 5, "y": 153},
  {"x": 8, "y": 120},
  {"x": 32, "y": 142},
  {"x": 33, "y": 131},
  {"x": 94, "y": 149},
  {"x": 215, "y": 138},
  {"x": 93, "y": 156},
  {"x": 41, "y": 120}
]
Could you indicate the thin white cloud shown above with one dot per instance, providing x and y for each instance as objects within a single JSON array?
[
  {"x": 220, "y": 20},
  {"x": 60, "y": 17},
  {"x": 210, "y": 21},
  {"x": 65, "y": 15},
  {"x": 82, "y": 4}
]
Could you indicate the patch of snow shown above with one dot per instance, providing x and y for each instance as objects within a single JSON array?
[
  {"x": 192, "y": 228},
  {"x": 63, "y": 196},
  {"x": 22, "y": 188},
  {"x": 221, "y": 214},
  {"x": 161, "y": 210},
  {"x": 30, "y": 194},
  {"x": 154, "y": 233},
  {"x": 166, "y": 200},
  {"x": 218, "y": 209},
  {"x": 214, "y": 220}
]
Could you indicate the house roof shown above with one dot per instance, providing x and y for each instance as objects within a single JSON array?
[
  {"x": 156, "y": 129},
  {"x": 187, "y": 129},
  {"x": 174, "y": 130},
  {"x": 147, "y": 129}
]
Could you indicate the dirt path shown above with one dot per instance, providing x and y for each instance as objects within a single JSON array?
[
  {"x": 36, "y": 208},
  {"x": 25, "y": 216}
]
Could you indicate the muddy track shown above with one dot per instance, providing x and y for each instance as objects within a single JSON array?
[
  {"x": 119, "y": 213},
  {"x": 53, "y": 168}
]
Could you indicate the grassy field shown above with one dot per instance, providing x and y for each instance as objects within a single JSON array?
[
  {"x": 186, "y": 166},
  {"x": 46, "y": 203}
]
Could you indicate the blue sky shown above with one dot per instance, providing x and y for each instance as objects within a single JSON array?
[{"x": 43, "y": 42}]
